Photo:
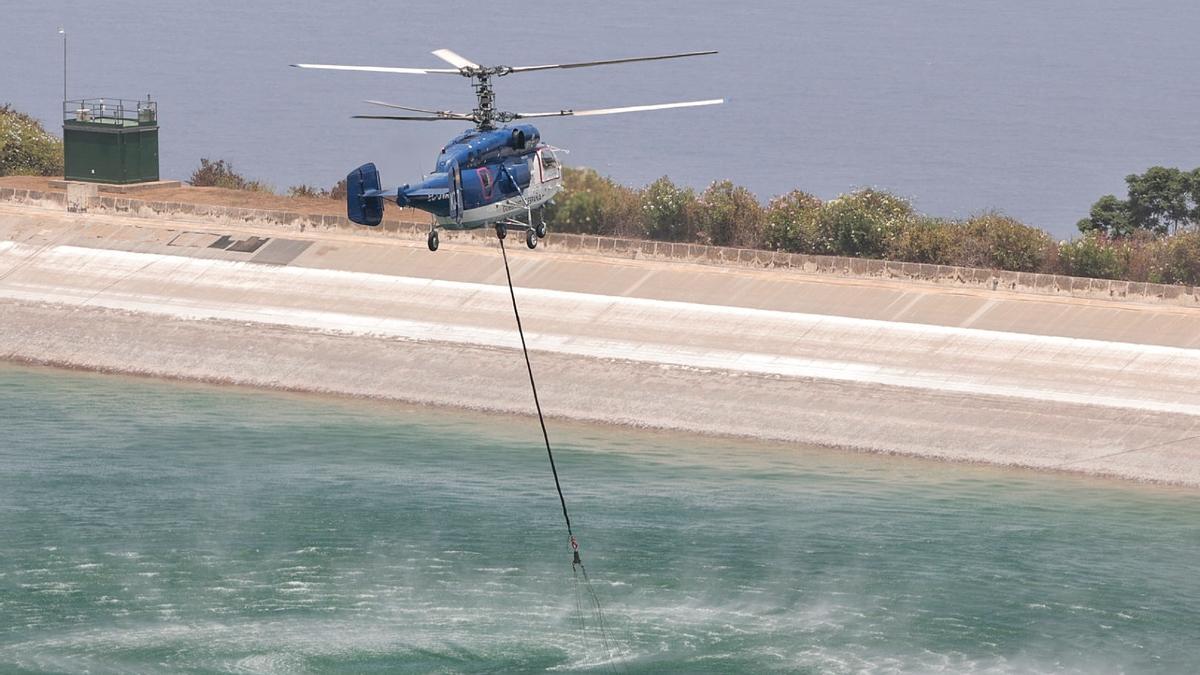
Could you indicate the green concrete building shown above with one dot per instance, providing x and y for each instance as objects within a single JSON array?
[{"x": 111, "y": 140}]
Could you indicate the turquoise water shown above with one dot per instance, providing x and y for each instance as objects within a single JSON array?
[{"x": 149, "y": 527}]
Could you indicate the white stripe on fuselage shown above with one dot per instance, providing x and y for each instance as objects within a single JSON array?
[{"x": 514, "y": 207}]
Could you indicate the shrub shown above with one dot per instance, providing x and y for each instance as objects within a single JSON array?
[
  {"x": 27, "y": 149},
  {"x": 922, "y": 239},
  {"x": 1178, "y": 259},
  {"x": 593, "y": 204},
  {"x": 731, "y": 215},
  {"x": 1093, "y": 255},
  {"x": 220, "y": 174},
  {"x": 671, "y": 213},
  {"x": 338, "y": 191},
  {"x": 306, "y": 191},
  {"x": 862, "y": 223},
  {"x": 792, "y": 223},
  {"x": 993, "y": 240}
]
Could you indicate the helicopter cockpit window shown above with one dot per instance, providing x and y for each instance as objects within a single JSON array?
[{"x": 550, "y": 168}]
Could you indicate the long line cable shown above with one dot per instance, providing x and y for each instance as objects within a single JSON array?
[
  {"x": 576, "y": 560},
  {"x": 538, "y": 404}
]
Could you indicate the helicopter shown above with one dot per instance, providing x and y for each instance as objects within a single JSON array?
[{"x": 488, "y": 175}]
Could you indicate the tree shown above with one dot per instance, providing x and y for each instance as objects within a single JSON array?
[
  {"x": 1160, "y": 199},
  {"x": 1109, "y": 216},
  {"x": 1193, "y": 183},
  {"x": 732, "y": 215}
]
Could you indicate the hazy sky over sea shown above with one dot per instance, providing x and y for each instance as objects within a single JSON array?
[{"x": 1030, "y": 107}]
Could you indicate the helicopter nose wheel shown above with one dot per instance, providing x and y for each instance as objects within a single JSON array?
[
  {"x": 531, "y": 238},
  {"x": 433, "y": 240},
  {"x": 501, "y": 231}
]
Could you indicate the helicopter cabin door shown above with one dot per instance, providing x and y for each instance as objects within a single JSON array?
[{"x": 456, "y": 196}]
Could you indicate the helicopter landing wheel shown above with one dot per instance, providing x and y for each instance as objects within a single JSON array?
[
  {"x": 501, "y": 231},
  {"x": 531, "y": 238},
  {"x": 541, "y": 230},
  {"x": 433, "y": 240}
]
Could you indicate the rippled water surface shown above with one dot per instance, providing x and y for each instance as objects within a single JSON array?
[{"x": 149, "y": 526}]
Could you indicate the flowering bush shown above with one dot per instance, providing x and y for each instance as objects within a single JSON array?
[
  {"x": 1093, "y": 255},
  {"x": 792, "y": 223},
  {"x": 671, "y": 213},
  {"x": 594, "y": 204},
  {"x": 26, "y": 148},
  {"x": 731, "y": 215},
  {"x": 863, "y": 223}
]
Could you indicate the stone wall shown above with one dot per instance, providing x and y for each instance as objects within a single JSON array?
[{"x": 942, "y": 275}]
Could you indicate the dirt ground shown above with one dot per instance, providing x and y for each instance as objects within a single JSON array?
[{"x": 219, "y": 196}]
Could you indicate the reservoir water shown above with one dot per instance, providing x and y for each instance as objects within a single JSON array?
[
  {"x": 1035, "y": 108},
  {"x": 149, "y": 526}
]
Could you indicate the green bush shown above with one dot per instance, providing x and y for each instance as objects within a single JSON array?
[
  {"x": 863, "y": 223},
  {"x": 1093, "y": 255},
  {"x": 792, "y": 223},
  {"x": 220, "y": 174},
  {"x": 671, "y": 213},
  {"x": 995, "y": 241},
  {"x": 922, "y": 239},
  {"x": 593, "y": 204},
  {"x": 27, "y": 149},
  {"x": 731, "y": 215},
  {"x": 1178, "y": 259}
]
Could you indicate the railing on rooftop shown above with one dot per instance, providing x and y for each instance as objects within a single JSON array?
[{"x": 111, "y": 111}]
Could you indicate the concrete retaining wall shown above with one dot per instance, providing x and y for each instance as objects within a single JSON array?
[{"x": 943, "y": 275}]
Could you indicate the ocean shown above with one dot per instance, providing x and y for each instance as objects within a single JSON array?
[
  {"x": 150, "y": 526},
  {"x": 1033, "y": 108}
]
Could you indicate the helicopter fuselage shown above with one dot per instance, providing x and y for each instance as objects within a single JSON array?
[
  {"x": 482, "y": 178},
  {"x": 500, "y": 174}
]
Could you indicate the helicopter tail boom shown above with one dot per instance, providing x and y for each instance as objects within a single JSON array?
[{"x": 364, "y": 198}]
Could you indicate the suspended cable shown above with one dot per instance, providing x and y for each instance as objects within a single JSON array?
[{"x": 577, "y": 566}]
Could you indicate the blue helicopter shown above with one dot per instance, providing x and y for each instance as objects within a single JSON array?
[{"x": 488, "y": 175}]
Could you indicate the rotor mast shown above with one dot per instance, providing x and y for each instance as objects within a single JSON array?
[{"x": 485, "y": 108}]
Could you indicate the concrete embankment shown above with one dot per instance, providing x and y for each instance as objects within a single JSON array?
[{"x": 974, "y": 374}]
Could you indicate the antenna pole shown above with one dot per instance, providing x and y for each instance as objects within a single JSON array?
[{"x": 63, "y": 32}]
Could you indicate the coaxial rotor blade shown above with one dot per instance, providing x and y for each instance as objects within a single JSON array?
[
  {"x": 454, "y": 59},
  {"x": 380, "y": 69},
  {"x": 584, "y": 64},
  {"x": 413, "y": 118},
  {"x": 615, "y": 111},
  {"x": 439, "y": 113}
]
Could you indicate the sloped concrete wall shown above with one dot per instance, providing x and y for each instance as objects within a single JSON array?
[{"x": 942, "y": 275}]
